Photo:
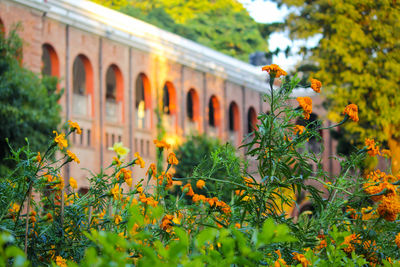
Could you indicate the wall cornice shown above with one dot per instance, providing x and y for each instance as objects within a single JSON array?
[{"x": 96, "y": 19}]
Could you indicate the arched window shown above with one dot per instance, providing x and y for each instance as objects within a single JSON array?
[
  {"x": 213, "y": 112},
  {"x": 2, "y": 28},
  {"x": 234, "y": 118},
  {"x": 82, "y": 84},
  {"x": 143, "y": 101},
  {"x": 111, "y": 84},
  {"x": 192, "y": 105},
  {"x": 169, "y": 99},
  {"x": 251, "y": 120},
  {"x": 114, "y": 94},
  {"x": 50, "y": 64}
]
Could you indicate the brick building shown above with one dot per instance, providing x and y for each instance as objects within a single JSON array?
[{"x": 113, "y": 66}]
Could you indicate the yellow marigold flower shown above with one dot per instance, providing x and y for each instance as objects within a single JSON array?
[
  {"x": 162, "y": 144},
  {"x": 172, "y": 160},
  {"x": 75, "y": 126},
  {"x": 299, "y": 129},
  {"x": 274, "y": 70},
  {"x": 61, "y": 183},
  {"x": 73, "y": 183},
  {"x": 120, "y": 149},
  {"x": 306, "y": 104},
  {"x": 116, "y": 192},
  {"x": 301, "y": 258},
  {"x": 200, "y": 184},
  {"x": 117, "y": 219},
  {"x": 14, "y": 208},
  {"x": 60, "y": 140},
  {"x": 316, "y": 85},
  {"x": 73, "y": 157},
  {"x": 397, "y": 240},
  {"x": 152, "y": 170},
  {"x": 352, "y": 111},
  {"x": 38, "y": 157},
  {"x": 61, "y": 262},
  {"x": 373, "y": 150},
  {"x": 139, "y": 160}
]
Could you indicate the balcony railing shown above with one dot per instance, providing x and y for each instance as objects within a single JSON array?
[
  {"x": 213, "y": 131},
  {"x": 191, "y": 127},
  {"x": 81, "y": 104},
  {"x": 233, "y": 137},
  {"x": 113, "y": 111},
  {"x": 142, "y": 119},
  {"x": 169, "y": 122}
]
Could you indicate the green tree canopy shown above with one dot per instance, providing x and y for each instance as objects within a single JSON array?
[
  {"x": 358, "y": 58},
  {"x": 28, "y": 104},
  {"x": 224, "y": 25}
]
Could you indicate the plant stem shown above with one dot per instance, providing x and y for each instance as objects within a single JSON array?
[{"x": 27, "y": 217}]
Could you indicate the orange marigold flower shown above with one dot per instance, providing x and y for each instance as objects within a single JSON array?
[
  {"x": 73, "y": 157},
  {"x": 166, "y": 222},
  {"x": 38, "y": 157},
  {"x": 316, "y": 85},
  {"x": 49, "y": 217},
  {"x": 73, "y": 183},
  {"x": 352, "y": 111},
  {"x": 172, "y": 160},
  {"x": 306, "y": 104},
  {"x": 299, "y": 129},
  {"x": 350, "y": 240},
  {"x": 386, "y": 153},
  {"x": 189, "y": 191},
  {"x": 152, "y": 170},
  {"x": 116, "y": 161},
  {"x": 139, "y": 160},
  {"x": 279, "y": 262},
  {"x": 301, "y": 258},
  {"x": 200, "y": 184},
  {"x": 274, "y": 70},
  {"x": 389, "y": 208},
  {"x": 75, "y": 126},
  {"x": 60, "y": 140},
  {"x": 373, "y": 150},
  {"x": 197, "y": 198},
  {"x": 397, "y": 240},
  {"x": 162, "y": 144}
]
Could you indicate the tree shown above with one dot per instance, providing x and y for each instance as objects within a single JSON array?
[
  {"x": 28, "y": 104},
  {"x": 359, "y": 62},
  {"x": 224, "y": 25}
]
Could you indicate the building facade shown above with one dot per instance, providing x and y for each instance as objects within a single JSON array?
[{"x": 113, "y": 68}]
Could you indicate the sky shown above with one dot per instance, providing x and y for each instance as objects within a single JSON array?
[{"x": 265, "y": 11}]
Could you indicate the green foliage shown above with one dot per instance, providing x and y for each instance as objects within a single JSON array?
[
  {"x": 28, "y": 104},
  {"x": 202, "y": 157},
  {"x": 11, "y": 255},
  {"x": 222, "y": 25},
  {"x": 143, "y": 224},
  {"x": 358, "y": 58}
]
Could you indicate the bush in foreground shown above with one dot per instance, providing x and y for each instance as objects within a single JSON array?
[{"x": 112, "y": 225}]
